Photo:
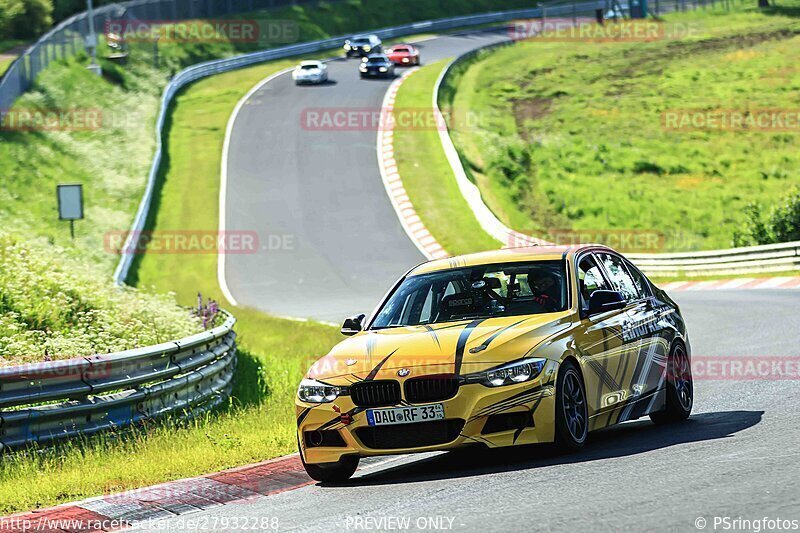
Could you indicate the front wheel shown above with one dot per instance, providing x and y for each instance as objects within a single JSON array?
[
  {"x": 337, "y": 472},
  {"x": 680, "y": 389},
  {"x": 572, "y": 417}
]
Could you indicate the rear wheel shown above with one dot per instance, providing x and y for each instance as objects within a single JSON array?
[
  {"x": 572, "y": 419},
  {"x": 680, "y": 389},
  {"x": 337, "y": 472}
]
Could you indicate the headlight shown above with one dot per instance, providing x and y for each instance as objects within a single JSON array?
[
  {"x": 367, "y": 48},
  {"x": 383, "y": 69},
  {"x": 363, "y": 67},
  {"x": 313, "y": 391},
  {"x": 518, "y": 372},
  {"x": 347, "y": 46}
]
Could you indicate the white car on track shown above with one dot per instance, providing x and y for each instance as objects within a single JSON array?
[{"x": 310, "y": 72}]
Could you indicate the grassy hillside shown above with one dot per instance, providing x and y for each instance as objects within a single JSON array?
[
  {"x": 54, "y": 307},
  {"x": 570, "y": 134},
  {"x": 427, "y": 176}
]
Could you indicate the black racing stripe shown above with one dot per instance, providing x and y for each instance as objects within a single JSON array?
[
  {"x": 434, "y": 335},
  {"x": 495, "y": 409},
  {"x": 462, "y": 344},
  {"x": 499, "y": 332},
  {"x": 607, "y": 379},
  {"x": 519, "y": 398},
  {"x": 303, "y": 416},
  {"x": 375, "y": 370},
  {"x": 519, "y": 430}
]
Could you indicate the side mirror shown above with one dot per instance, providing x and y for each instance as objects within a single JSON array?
[
  {"x": 601, "y": 301},
  {"x": 353, "y": 324}
]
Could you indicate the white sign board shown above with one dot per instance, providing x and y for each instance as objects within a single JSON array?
[{"x": 70, "y": 202}]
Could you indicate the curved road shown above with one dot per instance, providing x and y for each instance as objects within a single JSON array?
[
  {"x": 331, "y": 242},
  {"x": 736, "y": 457}
]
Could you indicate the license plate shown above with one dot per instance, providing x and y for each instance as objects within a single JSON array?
[{"x": 405, "y": 415}]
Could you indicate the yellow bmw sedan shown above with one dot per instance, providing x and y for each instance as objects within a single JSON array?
[{"x": 517, "y": 346}]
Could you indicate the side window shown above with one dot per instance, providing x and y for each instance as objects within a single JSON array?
[
  {"x": 642, "y": 287},
  {"x": 590, "y": 279},
  {"x": 620, "y": 278}
]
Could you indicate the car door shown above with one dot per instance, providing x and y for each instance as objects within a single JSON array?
[
  {"x": 606, "y": 356},
  {"x": 640, "y": 331}
]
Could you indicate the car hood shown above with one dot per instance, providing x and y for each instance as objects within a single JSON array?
[{"x": 451, "y": 347}]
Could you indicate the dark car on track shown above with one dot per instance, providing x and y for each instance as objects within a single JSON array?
[
  {"x": 376, "y": 66},
  {"x": 362, "y": 45}
]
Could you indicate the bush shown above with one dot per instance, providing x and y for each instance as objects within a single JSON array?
[
  {"x": 782, "y": 225},
  {"x": 56, "y": 307},
  {"x": 25, "y": 19}
]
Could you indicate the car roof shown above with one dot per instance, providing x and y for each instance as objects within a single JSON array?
[
  {"x": 402, "y": 45},
  {"x": 505, "y": 255},
  {"x": 310, "y": 62},
  {"x": 377, "y": 56},
  {"x": 364, "y": 37}
]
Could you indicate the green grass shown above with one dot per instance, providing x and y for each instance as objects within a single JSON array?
[
  {"x": 110, "y": 161},
  {"x": 273, "y": 353},
  {"x": 570, "y": 134},
  {"x": 427, "y": 176},
  {"x": 258, "y": 424},
  {"x": 53, "y": 306}
]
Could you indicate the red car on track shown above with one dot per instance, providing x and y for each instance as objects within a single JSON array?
[{"x": 403, "y": 54}]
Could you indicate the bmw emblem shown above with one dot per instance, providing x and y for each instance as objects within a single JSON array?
[
  {"x": 403, "y": 372},
  {"x": 350, "y": 362}
]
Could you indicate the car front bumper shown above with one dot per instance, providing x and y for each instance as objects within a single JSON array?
[{"x": 476, "y": 415}]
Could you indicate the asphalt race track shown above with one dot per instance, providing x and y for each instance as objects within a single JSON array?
[
  {"x": 333, "y": 243},
  {"x": 736, "y": 457}
]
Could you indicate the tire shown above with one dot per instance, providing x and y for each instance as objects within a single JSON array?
[
  {"x": 572, "y": 417},
  {"x": 680, "y": 388},
  {"x": 337, "y": 472}
]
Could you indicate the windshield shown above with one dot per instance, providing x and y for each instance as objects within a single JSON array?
[
  {"x": 309, "y": 67},
  {"x": 360, "y": 41},
  {"x": 377, "y": 60},
  {"x": 476, "y": 292}
]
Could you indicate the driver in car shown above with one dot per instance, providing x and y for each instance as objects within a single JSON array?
[{"x": 544, "y": 288}]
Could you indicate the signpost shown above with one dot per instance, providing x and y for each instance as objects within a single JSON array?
[{"x": 70, "y": 204}]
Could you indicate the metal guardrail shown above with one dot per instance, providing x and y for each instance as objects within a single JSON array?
[
  {"x": 44, "y": 402},
  {"x": 209, "y": 68},
  {"x": 745, "y": 260},
  {"x": 69, "y": 36}
]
